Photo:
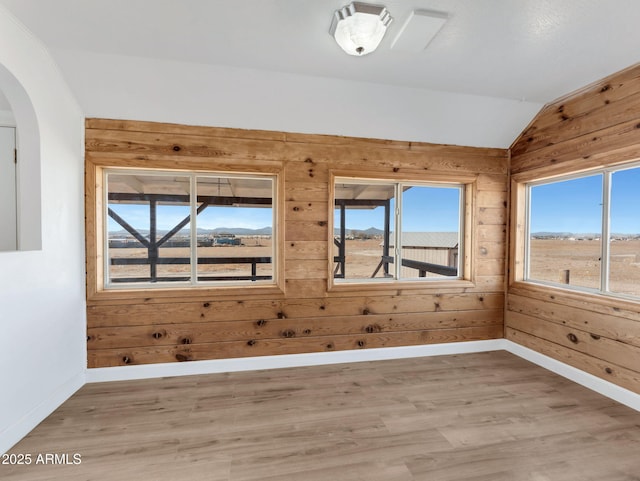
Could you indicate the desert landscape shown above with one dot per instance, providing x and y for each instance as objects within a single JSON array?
[
  {"x": 250, "y": 247},
  {"x": 551, "y": 257},
  {"x": 362, "y": 259}
]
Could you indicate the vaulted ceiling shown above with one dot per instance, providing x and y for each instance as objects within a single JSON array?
[
  {"x": 534, "y": 50},
  {"x": 271, "y": 64}
]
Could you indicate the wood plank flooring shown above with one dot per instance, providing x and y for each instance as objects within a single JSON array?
[{"x": 481, "y": 417}]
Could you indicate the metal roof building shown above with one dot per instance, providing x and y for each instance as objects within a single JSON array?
[{"x": 428, "y": 240}]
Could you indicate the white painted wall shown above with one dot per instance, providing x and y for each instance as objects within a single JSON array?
[
  {"x": 8, "y": 208},
  {"x": 42, "y": 309},
  {"x": 120, "y": 87},
  {"x": 6, "y": 117}
]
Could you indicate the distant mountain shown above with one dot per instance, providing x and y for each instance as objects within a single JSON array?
[
  {"x": 371, "y": 231},
  {"x": 236, "y": 231},
  {"x": 542, "y": 235},
  {"x": 200, "y": 231},
  {"x": 124, "y": 233},
  {"x": 579, "y": 235}
]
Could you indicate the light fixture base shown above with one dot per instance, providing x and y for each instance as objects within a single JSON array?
[{"x": 359, "y": 27}]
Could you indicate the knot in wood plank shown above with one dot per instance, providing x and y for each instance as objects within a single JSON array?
[{"x": 288, "y": 333}]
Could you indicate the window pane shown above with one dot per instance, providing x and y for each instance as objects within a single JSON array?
[
  {"x": 565, "y": 229},
  {"x": 430, "y": 231},
  {"x": 148, "y": 228},
  {"x": 624, "y": 261},
  {"x": 364, "y": 212},
  {"x": 235, "y": 227}
]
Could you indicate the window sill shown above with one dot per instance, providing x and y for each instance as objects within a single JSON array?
[
  {"x": 434, "y": 286},
  {"x": 185, "y": 294},
  {"x": 556, "y": 293}
]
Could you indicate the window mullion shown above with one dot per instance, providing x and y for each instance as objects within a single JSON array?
[
  {"x": 606, "y": 226},
  {"x": 527, "y": 232},
  {"x": 275, "y": 240},
  {"x": 398, "y": 235},
  {"x": 105, "y": 229},
  {"x": 193, "y": 201},
  {"x": 461, "y": 233}
]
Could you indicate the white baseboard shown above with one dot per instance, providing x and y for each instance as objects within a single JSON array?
[
  {"x": 610, "y": 390},
  {"x": 14, "y": 433},
  {"x": 125, "y": 373}
]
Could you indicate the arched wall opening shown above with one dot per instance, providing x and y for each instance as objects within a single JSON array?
[{"x": 28, "y": 169}]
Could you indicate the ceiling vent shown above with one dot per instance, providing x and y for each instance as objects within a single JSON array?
[{"x": 418, "y": 30}]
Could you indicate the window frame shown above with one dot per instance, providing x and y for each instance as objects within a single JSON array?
[
  {"x": 193, "y": 177},
  {"x": 605, "y": 234},
  {"x": 465, "y": 185},
  {"x": 95, "y": 164}
]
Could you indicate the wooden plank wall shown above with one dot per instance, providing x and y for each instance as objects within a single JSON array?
[
  {"x": 302, "y": 315},
  {"x": 594, "y": 127}
]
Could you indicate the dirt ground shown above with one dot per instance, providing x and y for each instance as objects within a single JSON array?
[
  {"x": 252, "y": 247},
  {"x": 363, "y": 256},
  {"x": 550, "y": 258}
]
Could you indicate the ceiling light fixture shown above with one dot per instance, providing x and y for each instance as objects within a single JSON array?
[{"x": 359, "y": 27}]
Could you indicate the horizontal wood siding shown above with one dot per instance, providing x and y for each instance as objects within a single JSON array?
[
  {"x": 302, "y": 314},
  {"x": 594, "y": 127}
]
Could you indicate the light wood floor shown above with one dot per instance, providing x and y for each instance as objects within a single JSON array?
[{"x": 488, "y": 416}]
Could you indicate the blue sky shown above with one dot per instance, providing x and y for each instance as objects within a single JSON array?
[
  {"x": 424, "y": 209},
  {"x": 568, "y": 206},
  {"x": 625, "y": 202},
  {"x": 576, "y": 205},
  {"x": 431, "y": 209}
]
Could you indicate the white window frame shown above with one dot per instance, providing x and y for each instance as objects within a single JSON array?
[
  {"x": 606, "y": 173},
  {"x": 396, "y": 227},
  {"x": 194, "y": 282}
]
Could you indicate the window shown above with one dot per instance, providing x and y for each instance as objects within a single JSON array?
[
  {"x": 584, "y": 232},
  {"x": 188, "y": 228},
  {"x": 397, "y": 231}
]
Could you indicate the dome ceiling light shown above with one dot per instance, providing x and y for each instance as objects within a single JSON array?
[{"x": 359, "y": 27}]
